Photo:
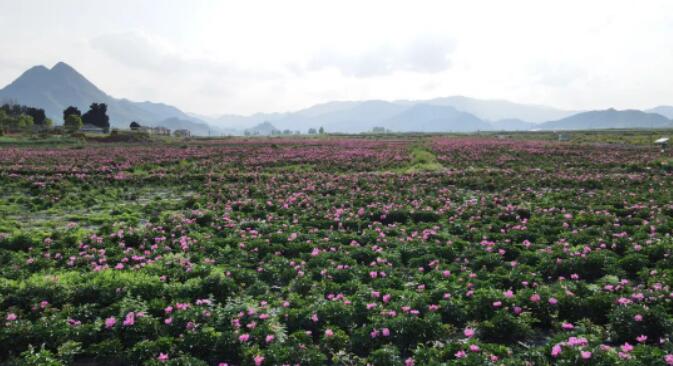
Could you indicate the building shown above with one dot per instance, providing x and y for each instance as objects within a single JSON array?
[
  {"x": 182, "y": 133},
  {"x": 160, "y": 131}
]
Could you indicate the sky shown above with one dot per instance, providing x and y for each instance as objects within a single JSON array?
[{"x": 243, "y": 57}]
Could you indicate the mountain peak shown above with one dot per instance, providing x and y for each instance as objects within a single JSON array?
[{"x": 62, "y": 66}]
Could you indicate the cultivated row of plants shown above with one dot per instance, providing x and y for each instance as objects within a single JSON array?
[{"x": 443, "y": 251}]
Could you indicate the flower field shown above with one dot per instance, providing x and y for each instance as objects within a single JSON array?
[{"x": 336, "y": 251}]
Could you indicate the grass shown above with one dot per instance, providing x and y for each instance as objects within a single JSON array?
[{"x": 422, "y": 160}]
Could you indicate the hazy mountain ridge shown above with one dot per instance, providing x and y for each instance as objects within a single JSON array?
[
  {"x": 61, "y": 86},
  {"x": 609, "y": 118}
]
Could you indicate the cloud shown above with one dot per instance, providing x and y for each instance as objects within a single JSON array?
[{"x": 426, "y": 54}]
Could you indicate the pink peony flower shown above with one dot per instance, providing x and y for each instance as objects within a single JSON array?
[
  {"x": 468, "y": 332},
  {"x": 567, "y": 326},
  {"x": 258, "y": 360},
  {"x": 110, "y": 322},
  {"x": 244, "y": 337},
  {"x": 163, "y": 357},
  {"x": 669, "y": 359}
]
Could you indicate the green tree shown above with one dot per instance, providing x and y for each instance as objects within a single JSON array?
[
  {"x": 73, "y": 123},
  {"x": 321, "y": 131},
  {"x": 25, "y": 122},
  {"x": 4, "y": 121},
  {"x": 97, "y": 116},
  {"x": 71, "y": 110}
]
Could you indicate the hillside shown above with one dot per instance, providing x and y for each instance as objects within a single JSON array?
[
  {"x": 61, "y": 86},
  {"x": 609, "y": 118}
]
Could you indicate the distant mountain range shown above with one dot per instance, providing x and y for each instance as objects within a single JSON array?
[
  {"x": 61, "y": 86},
  {"x": 610, "y": 118},
  {"x": 439, "y": 115}
]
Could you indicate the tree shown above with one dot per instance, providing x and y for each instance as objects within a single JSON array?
[
  {"x": 312, "y": 131},
  {"x": 321, "y": 131},
  {"x": 134, "y": 125},
  {"x": 71, "y": 110},
  {"x": 24, "y": 122},
  {"x": 73, "y": 123},
  {"x": 97, "y": 116},
  {"x": 4, "y": 121},
  {"x": 37, "y": 114}
]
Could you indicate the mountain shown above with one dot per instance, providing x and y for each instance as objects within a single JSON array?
[
  {"x": 61, "y": 86},
  {"x": 664, "y": 110},
  {"x": 609, "y": 118},
  {"x": 351, "y": 118},
  {"x": 197, "y": 129},
  {"x": 513, "y": 124},
  {"x": 262, "y": 129},
  {"x": 360, "y": 116},
  {"x": 435, "y": 118},
  {"x": 493, "y": 110}
]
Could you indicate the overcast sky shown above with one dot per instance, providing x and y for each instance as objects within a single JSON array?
[{"x": 215, "y": 57}]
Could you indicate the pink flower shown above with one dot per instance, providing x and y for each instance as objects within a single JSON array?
[
  {"x": 385, "y": 332},
  {"x": 535, "y": 298},
  {"x": 163, "y": 357},
  {"x": 469, "y": 332},
  {"x": 553, "y": 301},
  {"x": 373, "y": 274},
  {"x": 130, "y": 319},
  {"x": 446, "y": 274},
  {"x": 11, "y": 317},
  {"x": 460, "y": 354},
  {"x": 641, "y": 338},
  {"x": 386, "y": 298},
  {"x": 638, "y": 317},
  {"x": 497, "y": 304},
  {"x": 110, "y": 322},
  {"x": 556, "y": 350},
  {"x": 508, "y": 294},
  {"x": 626, "y": 347},
  {"x": 567, "y": 326},
  {"x": 474, "y": 348},
  {"x": 585, "y": 355},
  {"x": 168, "y": 309},
  {"x": 258, "y": 360},
  {"x": 669, "y": 359},
  {"x": 269, "y": 338},
  {"x": 244, "y": 337},
  {"x": 329, "y": 332},
  {"x": 168, "y": 321},
  {"x": 409, "y": 362}
]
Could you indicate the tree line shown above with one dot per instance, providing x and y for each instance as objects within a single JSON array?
[{"x": 20, "y": 118}]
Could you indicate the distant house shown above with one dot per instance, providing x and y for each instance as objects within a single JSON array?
[
  {"x": 182, "y": 133},
  {"x": 89, "y": 128},
  {"x": 160, "y": 131}
]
